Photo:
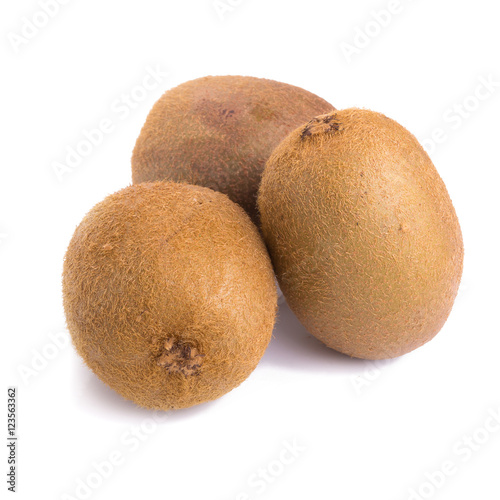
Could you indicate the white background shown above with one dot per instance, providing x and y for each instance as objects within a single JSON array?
[{"x": 363, "y": 430}]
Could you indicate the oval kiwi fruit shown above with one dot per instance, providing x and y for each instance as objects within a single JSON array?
[
  {"x": 362, "y": 233},
  {"x": 169, "y": 294},
  {"x": 218, "y": 132}
]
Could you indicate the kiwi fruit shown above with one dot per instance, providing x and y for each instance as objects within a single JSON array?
[
  {"x": 362, "y": 234},
  {"x": 219, "y": 131},
  {"x": 169, "y": 294}
]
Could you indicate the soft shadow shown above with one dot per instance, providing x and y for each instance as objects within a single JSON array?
[
  {"x": 292, "y": 347},
  {"x": 92, "y": 393}
]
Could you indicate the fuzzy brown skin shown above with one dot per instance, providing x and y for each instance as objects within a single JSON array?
[
  {"x": 169, "y": 294},
  {"x": 362, "y": 233},
  {"x": 219, "y": 131}
]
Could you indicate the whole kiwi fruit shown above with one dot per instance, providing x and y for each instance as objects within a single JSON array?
[
  {"x": 362, "y": 233},
  {"x": 169, "y": 294},
  {"x": 219, "y": 131}
]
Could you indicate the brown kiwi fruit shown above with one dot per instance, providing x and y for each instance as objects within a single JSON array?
[
  {"x": 169, "y": 294},
  {"x": 362, "y": 233},
  {"x": 218, "y": 132}
]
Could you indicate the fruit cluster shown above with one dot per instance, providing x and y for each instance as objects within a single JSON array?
[{"x": 169, "y": 284}]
